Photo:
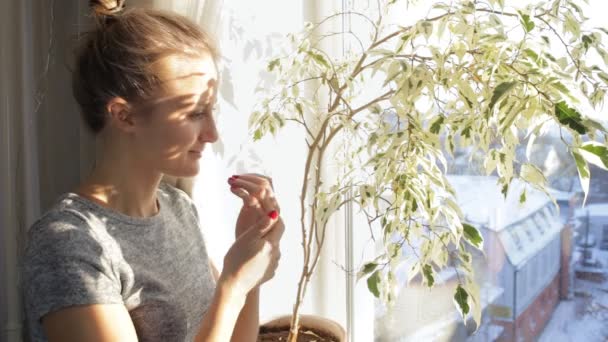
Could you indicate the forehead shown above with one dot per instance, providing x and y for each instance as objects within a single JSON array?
[{"x": 188, "y": 76}]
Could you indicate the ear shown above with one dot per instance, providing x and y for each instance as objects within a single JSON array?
[{"x": 121, "y": 114}]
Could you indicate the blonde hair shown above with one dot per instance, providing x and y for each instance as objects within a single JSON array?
[{"x": 117, "y": 57}]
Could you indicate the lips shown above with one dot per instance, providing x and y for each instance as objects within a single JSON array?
[{"x": 196, "y": 153}]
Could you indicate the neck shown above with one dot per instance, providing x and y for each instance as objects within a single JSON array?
[{"x": 122, "y": 185}]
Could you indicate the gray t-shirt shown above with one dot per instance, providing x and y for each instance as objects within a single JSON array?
[{"x": 82, "y": 253}]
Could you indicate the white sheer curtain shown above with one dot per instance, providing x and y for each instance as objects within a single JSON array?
[{"x": 43, "y": 149}]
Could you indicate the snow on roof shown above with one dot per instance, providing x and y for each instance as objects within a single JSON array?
[
  {"x": 598, "y": 209},
  {"x": 561, "y": 195},
  {"x": 524, "y": 239},
  {"x": 523, "y": 229},
  {"x": 481, "y": 201}
]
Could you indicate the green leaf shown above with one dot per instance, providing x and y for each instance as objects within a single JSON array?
[
  {"x": 436, "y": 126},
  {"x": 569, "y": 117},
  {"x": 595, "y": 153},
  {"x": 461, "y": 298},
  {"x": 522, "y": 197},
  {"x": 367, "y": 269},
  {"x": 426, "y": 28},
  {"x": 532, "y": 54},
  {"x": 334, "y": 83},
  {"x": 372, "y": 284},
  {"x": 414, "y": 205},
  {"x": 319, "y": 58},
  {"x": 272, "y": 64},
  {"x": 526, "y": 22},
  {"x": 532, "y": 174},
  {"x": 299, "y": 109},
  {"x": 427, "y": 270},
  {"x": 472, "y": 288},
  {"x": 546, "y": 40},
  {"x": 466, "y": 132},
  {"x": 559, "y": 86},
  {"x": 500, "y": 91},
  {"x": 257, "y": 135},
  {"x": 603, "y": 76},
  {"x": 505, "y": 189},
  {"x": 583, "y": 173},
  {"x": 279, "y": 118},
  {"x": 472, "y": 235},
  {"x": 587, "y": 40}
]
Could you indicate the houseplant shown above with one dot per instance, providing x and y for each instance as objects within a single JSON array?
[{"x": 472, "y": 74}]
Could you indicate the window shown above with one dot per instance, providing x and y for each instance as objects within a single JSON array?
[
  {"x": 528, "y": 231},
  {"x": 516, "y": 238},
  {"x": 248, "y": 35},
  {"x": 540, "y": 222},
  {"x": 533, "y": 244},
  {"x": 604, "y": 243}
]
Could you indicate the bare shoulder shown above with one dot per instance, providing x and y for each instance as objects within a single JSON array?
[{"x": 98, "y": 322}]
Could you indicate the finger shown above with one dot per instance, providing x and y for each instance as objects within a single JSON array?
[
  {"x": 275, "y": 232},
  {"x": 266, "y": 230},
  {"x": 259, "y": 189},
  {"x": 249, "y": 201},
  {"x": 272, "y": 227},
  {"x": 265, "y": 224},
  {"x": 257, "y": 178}
]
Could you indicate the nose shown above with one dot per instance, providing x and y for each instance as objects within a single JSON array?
[{"x": 208, "y": 132}]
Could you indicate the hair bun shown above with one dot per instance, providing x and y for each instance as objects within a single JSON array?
[{"x": 105, "y": 8}]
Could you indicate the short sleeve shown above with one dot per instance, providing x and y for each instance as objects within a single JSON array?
[
  {"x": 189, "y": 203},
  {"x": 65, "y": 265}
]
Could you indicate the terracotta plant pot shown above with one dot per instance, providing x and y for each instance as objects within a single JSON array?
[{"x": 312, "y": 328}]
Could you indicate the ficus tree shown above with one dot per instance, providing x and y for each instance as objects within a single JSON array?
[{"x": 482, "y": 75}]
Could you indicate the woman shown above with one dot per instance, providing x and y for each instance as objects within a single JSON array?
[{"x": 122, "y": 258}]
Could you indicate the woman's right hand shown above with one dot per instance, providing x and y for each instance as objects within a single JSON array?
[{"x": 254, "y": 256}]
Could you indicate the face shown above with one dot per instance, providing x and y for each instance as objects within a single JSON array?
[{"x": 178, "y": 123}]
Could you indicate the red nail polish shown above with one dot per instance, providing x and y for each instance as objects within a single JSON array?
[
  {"x": 231, "y": 179},
  {"x": 273, "y": 214},
  {"x": 235, "y": 177}
]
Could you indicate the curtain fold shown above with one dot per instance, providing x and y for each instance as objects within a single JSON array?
[{"x": 43, "y": 149}]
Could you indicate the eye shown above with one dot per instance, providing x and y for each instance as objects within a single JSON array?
[
  {"x": 196, "y": 115},
  {"x": 208, "y": 110},
  {"x": 199, "y": 113}
]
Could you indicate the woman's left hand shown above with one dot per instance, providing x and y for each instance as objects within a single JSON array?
[{"x": 258, "y": 197}]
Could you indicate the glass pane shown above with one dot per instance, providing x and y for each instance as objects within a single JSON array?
[{"x": 541, "y": 276}]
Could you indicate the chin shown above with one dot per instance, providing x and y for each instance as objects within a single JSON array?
[{"x": 183, "y": 172}]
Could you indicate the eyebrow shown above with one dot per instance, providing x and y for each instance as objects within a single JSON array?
[{"x": 204, "y": 106}]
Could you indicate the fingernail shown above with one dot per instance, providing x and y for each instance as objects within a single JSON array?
[
  {"x": 235, "y": 176},
  {"x": 231, "y": 179},
  {"x": 273, "y": 214}
]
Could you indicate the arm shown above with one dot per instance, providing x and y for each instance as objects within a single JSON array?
[
  {"x": 250, "y": 261},
  {"x": 220, "y": 319},
  {"x": 247, "y": 324},
  {"x": 95, "y": 323}
]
